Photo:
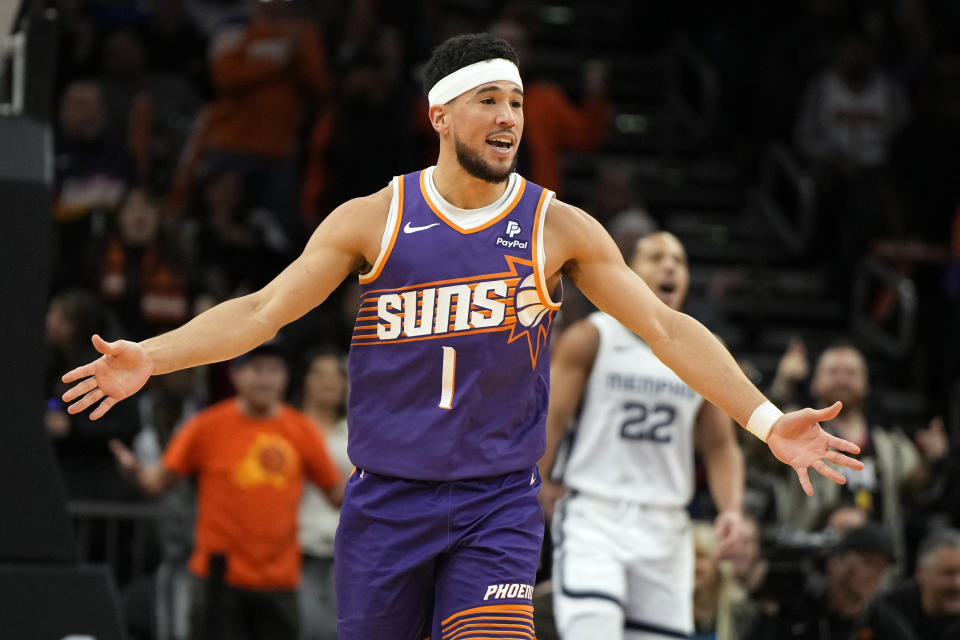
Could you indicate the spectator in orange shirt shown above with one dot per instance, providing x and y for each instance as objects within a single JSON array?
[
  {"x": 143, "y": 278},
  {"x": 250, "y": 455},
  {"x": 560, "y": 125},
  {"x": 263, "y": 72}
]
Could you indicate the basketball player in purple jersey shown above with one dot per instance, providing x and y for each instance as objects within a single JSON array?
[{"x": 440, "y": 529}]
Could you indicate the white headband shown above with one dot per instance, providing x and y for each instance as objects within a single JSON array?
[{"x": 473, "y": 75}]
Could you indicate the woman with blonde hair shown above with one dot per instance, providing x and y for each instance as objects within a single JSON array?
[{"x": 716, "y": 594}]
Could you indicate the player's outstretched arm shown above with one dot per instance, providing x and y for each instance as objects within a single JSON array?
[
  {"x": 578, "y": 246},
  {"x": 339, "y": 245}
]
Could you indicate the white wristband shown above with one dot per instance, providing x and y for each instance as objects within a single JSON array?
[{"x": 762, "y": 419}]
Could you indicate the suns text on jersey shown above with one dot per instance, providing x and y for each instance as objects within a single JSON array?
[{"x": 440, "y": 310}]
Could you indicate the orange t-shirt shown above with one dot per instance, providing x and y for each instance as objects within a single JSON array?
[
  {"x": 263, "y": 77},
  {"x": 250, "y": 476}
]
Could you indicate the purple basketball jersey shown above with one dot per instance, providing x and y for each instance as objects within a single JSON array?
[{"x": 449, "y": 362}]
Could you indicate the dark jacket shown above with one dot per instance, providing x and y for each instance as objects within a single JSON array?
[{"x": 904, "y": 598}]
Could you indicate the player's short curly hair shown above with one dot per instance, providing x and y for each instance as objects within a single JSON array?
[{"x": 459, "y": 51}]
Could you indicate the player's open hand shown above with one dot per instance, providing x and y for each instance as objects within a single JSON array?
[
  {"x": 123, "y": 368},
  {"x": 798, "y": 440}
]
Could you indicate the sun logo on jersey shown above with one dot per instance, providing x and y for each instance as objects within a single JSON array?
[
  {"x": 505, "y": 301},
  {"x": 531, "y": 313}
]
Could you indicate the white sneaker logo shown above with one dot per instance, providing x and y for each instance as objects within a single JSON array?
[{"x": 408, "y": 229}]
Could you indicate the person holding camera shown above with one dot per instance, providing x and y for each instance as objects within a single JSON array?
[
  {"x": 840, "y": 603},
  {"x": 930, "y": 601}
]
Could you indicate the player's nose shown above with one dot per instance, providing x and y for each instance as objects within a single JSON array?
[{"x": 506, "y": 116}]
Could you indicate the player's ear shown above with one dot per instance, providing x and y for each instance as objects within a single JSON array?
[{"x": 439, "y": 116}]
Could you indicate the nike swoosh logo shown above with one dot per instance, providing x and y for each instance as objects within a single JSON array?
[{"x": 408, "y": 229}]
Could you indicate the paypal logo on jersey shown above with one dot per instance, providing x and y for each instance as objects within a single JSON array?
[{"x": 513, "y": 228}]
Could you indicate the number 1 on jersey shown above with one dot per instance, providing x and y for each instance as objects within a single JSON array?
[{"x": 448, "y": 377}]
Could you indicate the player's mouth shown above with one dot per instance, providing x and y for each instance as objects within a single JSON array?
[
  {"x": 501, "y": 144},
  {"x": 667, "y": 288}
]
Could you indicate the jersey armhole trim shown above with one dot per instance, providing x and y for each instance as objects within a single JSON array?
[
  {"x": 390, "y": 231},
  {"x": 539, "y": 256}
]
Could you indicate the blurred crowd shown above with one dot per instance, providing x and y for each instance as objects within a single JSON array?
[{"x": 199, "y": 142}]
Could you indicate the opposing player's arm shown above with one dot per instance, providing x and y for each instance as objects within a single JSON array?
[
  {"x": 570, "y": 366},
  {"x": 340, "y": 245},
  {"x": 579, "y": 247},
  {"x": 716, "y": 441}
]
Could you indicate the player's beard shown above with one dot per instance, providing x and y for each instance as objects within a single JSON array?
[{"x": 476, "y": 166}]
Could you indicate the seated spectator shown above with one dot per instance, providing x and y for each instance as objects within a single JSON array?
[
  {"x": 850, "y": 114},
  {"x": 143, "y": 277},
  {"x": 892, "y": 464},
  {"x": 324, "y": 400},
  {"x": 157, "y": 604},
  {"x": 843, "y": 605},
  {"x": 251, "y": 455},
  {"x": 715, "y": 589},
  {"x": 930, "y": 601},
  {"x": 124, "y": 89},
  {"x": 91, "y": 173},
  {"x": 240, "y": 247},
  {"x": 80, "y": 444},
  {"x": 560, "y": 124},
  {"x": 372, "y": 110},
  {"x": 264, "y": 73},
  {"x": 851, "y": 111}
]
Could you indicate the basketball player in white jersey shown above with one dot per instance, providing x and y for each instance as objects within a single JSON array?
[{"x": 623, "y": 552}]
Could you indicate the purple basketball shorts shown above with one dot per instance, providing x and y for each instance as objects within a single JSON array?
[{"x": 440, "y": 560}]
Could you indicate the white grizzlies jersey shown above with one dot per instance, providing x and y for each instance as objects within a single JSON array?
[{"x": 633, "y": 439}]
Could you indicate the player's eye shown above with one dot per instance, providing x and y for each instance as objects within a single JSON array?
[{"x": 516, "y": 104}]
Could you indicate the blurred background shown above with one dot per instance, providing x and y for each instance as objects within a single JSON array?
[{"x": 163, "y": 155}]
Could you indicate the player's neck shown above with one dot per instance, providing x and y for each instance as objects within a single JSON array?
[{"x": 463, "y": 190}]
